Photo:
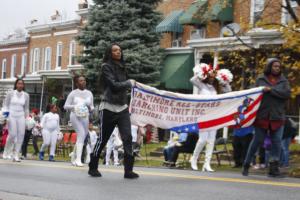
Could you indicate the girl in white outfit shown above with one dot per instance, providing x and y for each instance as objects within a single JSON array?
[
  {"x": 91, "y": 143},
  {"x": 17, "y": 104},
  {"x": 112, "y": 146},
  {"x": 205, "y": 80},
  {"x": 80, "y": 103},
  {"x": 50, "y": 130}
]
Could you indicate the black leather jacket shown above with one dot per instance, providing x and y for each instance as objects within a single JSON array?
[{"x": 115, "y": 83}]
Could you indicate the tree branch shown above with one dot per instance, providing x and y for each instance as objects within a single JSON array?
[{"x": 290, "y": 10}]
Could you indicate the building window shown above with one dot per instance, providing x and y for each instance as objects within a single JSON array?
[
  {"x": 24, "y": 63},
  {"x": 3, "y": 75},
  {"x": 36, "y": 60},
  {"x": 59, "y": 55},
  {"x": 286, "y": 16},
  {"x": 72, "y": 53},
  {"x": 13, "y": 65},
  {"x": 257, "y": 10},
  {"x": 47, "y": 63},
  {"x": 198, "y": 33},
  {"x": 176, "y": 39}
]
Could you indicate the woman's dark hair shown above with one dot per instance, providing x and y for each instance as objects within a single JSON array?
[
  {"x": 16, "y": 82},
  {"x": 76, "y": 78},
  {"x": 268, "y": 68},
  {"x": 108, "y": 56},
  {"x": 50, "y": 107}
]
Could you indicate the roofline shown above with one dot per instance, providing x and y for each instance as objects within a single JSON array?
[{"x": 50, "y": 26}]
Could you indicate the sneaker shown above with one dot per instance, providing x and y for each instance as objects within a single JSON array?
[
  {"x": 51, "y": 158},
  {"x": 41, "y": 155},
  {"x": 257, "y": 166},
  {"x": 117, "y": 164},
  {"x": 94, "y": 173},
  {"x": 131, "y": 175}
]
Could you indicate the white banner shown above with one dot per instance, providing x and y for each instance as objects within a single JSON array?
[{"x": 188, "y": 112}]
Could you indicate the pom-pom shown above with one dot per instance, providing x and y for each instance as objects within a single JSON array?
[{"x": 224, "y": 76}]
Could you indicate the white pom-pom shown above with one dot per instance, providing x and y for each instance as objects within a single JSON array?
[
  {"x": 202, "y": 70},
  {"x": 81, "y": 111},
  {"x": 224, "y": 76}
]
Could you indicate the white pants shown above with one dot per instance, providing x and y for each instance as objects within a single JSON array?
[
  {"x": 49, "y": 138},
  {"x": 109, "y": 148},
  {"x": 205, "y": 138},
  {"x": 16, "y": 131},
  {"x": 81, "y": 127}
]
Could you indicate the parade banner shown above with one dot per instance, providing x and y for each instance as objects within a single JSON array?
[{"x": 189, "y": 112}]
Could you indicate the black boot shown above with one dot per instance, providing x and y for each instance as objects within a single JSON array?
[
  {"x": 274, "y": 169},
  {"x": 246, "y": 167},
  {"x": 128, "y": 167},
  {"x": 93, "y": 166}
]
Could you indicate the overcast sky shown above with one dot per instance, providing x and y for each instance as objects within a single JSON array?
[{"x": 18, "y": 13}]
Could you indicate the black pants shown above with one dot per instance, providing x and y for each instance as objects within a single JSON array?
[
  {"x": 108, "y": 121},
  {"x": 25, "y": 143},
  {"x": 177, "y": 150},
  {"x": 240, "y": 148}
]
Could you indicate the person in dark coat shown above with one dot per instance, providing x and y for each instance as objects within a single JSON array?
[
  {"x": 114, "y": 110},
  {"x": 270, "y": 116},
  {"x": 289, "y": 133}
]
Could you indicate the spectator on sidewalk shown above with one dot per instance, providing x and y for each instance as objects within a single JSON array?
[
  {"x": 289, "y": 133},
  {"x": 241, "y": 141},
  {"x": 270, "y": 115}
]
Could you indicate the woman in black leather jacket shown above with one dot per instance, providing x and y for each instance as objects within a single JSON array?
[{"x": 114, "y": 110}]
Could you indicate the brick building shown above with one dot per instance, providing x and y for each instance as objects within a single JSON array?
[
  {"x": 195, "y": 29},
  {"x": 13, "y": 61},
  {"x": 49, "y": 57}
]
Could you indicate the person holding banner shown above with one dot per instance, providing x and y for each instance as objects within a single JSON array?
[
  {"x": 270, "y": 116},
  {"x": 209, "y": 81},
  {"x": 114, "y": 110}
]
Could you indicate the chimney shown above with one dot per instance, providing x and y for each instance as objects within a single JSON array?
[
  {"x": 83, "y": 4},
  {"x": 56, "y": 16}
]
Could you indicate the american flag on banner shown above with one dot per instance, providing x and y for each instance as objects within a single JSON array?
[{"x": 189, "y": 113}]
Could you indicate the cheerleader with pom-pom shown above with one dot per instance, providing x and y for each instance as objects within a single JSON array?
[
  {"x": 208, "y": 80},
  {"x": 80, "y": 103}
]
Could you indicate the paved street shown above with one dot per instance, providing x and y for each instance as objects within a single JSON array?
[{"x": 33, "y": 180}]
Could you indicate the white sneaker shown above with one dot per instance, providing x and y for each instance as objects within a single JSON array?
[{"x": 16, "y": 159}]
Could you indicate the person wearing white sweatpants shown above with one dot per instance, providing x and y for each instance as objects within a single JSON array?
[
  {"x": 17, "y": 104},
  {"x": 206, "y": 86},
  {"x": 91, "y": 143},
  {"x": 50, "y": 130},
  {"x": 112, "y": 147},
  {"x": 80, "y": 103}
]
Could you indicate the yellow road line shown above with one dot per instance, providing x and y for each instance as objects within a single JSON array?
[{"x": 165, "y": 174}]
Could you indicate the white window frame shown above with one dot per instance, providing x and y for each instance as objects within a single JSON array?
[
  {"x": 59, "y": 50},
  {"x": 257, "y": 6},
  {"x": 23, "y": 63},
  {"x": 4, "y": 68},
  {"x": 176, "y": 40},
  {"x": 285, "y": 16},
  {"x": 72, "y": 52},
  {"x": 13, "y": 66},
  {"x": 36, "y": 60},
  {"x": 47, "y": 64},
  {"x": 199, "y": 33}
]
